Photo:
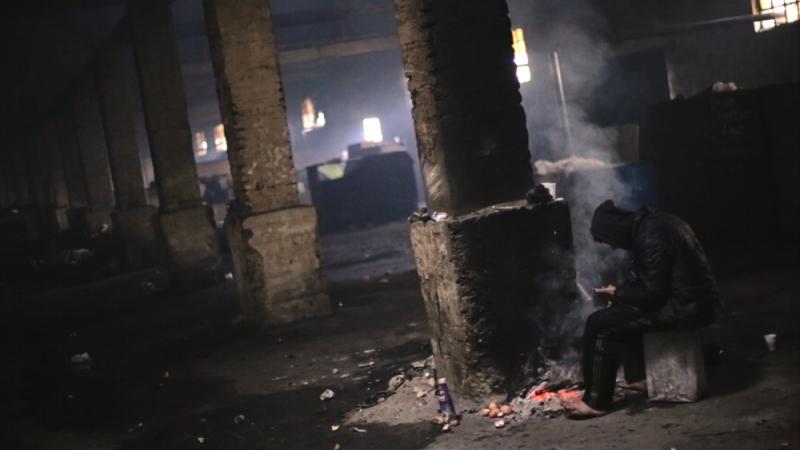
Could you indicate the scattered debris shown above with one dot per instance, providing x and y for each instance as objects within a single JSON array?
[
  {"x": 438, "y": 216},
  {"x": 337, "y": 447},
  {"x": 396, "y": 381},
  {"x": 369, "y": 351},
  {"x": 228, "y": 276},
  {"x": 201, "y": 439},
  {"x": 359, "y": 430},
  {"x": 327, "y": 394},
  {"x": 165, "y": 375},
  {"x": 335, "y": 427},
  {"x": 366, "y": 364},
  {"x": 81, "y": 358},
  {"x": 770, "y": 340},
  {"x": 499, "y": 423},
  {"x": 335, "y": 371},
  {"x": 239, "y": 419}
]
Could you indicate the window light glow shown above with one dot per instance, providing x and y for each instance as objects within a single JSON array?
[
  {"x": 200, "y": 144},
  {"x": 521, "y": 55},
  {"x": 312, "y": 119},
  {"x": 523, "y": 74},
  {"x": 785, "y": 11},
  {"x": 372, "y": 130},
  {"x": 220, "y": 143}
]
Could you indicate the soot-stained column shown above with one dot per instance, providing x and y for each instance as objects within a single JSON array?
[
  {"x": 94, "y": 153},
  {"x": 470, "y": 125},
  {"x": 73, "y": 171},
  {"x": 56, "y": 182},
  {"x": 273, "y": 237},
  {"x": 134, "y": 220},
  {"x": 493, "y": 276},
  {"x": 187, "y": 225}
]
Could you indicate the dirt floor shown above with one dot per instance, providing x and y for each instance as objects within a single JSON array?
[{"x": 184, "y": 372}]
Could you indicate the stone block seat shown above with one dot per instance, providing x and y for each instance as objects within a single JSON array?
[{"x": 675, "y": 365}]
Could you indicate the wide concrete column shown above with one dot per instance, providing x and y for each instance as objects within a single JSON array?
[
  {"x": 498, "y": 281},
  {"x": 273, "y": 238},
  {"x": 134, "y": 220},
  {"x": 187, "y": 225},
  {"x": 470, "y": 124},
  {"x": 73, "y": 172},
  {"x": 58, "y": 201},
  {"x": 93, "y": 153}
]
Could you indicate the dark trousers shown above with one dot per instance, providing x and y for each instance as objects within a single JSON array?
[{"x": 612, "y": 336}]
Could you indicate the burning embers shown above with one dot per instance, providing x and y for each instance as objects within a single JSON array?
[{"x": 544, "y": 401}]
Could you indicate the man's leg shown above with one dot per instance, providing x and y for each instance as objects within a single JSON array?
[{"x": 610, "y": 338}]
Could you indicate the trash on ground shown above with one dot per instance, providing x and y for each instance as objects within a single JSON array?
[
  {"x": 327, "y": 394},
  {"x": 366, "y": 364},
  {"x": 239, "y": 419},
  {"x": 335, "y": 427},
  {"x": 201, "y": 439},
  {"x": 359, "y": 430},
  {"x": 499, "y": 423}
]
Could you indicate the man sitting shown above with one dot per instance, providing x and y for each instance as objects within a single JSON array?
[{"x": 672, "y": 287}]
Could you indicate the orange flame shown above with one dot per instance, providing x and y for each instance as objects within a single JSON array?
[{"x": 563, "y": 394}]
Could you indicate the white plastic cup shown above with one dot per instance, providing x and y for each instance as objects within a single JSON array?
[{"x": 770, "y": 340}]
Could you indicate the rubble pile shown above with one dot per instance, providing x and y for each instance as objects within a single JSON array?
[{"x": 412, "y": 398}]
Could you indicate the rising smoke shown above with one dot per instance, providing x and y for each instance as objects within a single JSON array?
[{"x": 568, "y": 146}]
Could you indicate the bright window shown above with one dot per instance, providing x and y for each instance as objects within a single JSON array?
[
  {"x": 521, "y": 55},
  {"x": 785, "y": 11},
  {"x": 200, "y": 144},
  {"x": 372, "y": 130},
  {"x": 220, "y": 143}
]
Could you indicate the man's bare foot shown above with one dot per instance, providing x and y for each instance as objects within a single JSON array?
[
  {"x": 578, "y": 409},
  {"x": 638, "y": 386}
]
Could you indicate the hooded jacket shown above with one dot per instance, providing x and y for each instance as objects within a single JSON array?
[{"x": 672, "y": 278}]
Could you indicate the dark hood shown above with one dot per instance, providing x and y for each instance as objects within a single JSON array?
[{"x": 612, "y": 225}]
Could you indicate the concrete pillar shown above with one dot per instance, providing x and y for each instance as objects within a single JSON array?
[
  {"x": 467, "y": 109},
  {"x": 56, "y": 182},
  {"x": 94, "y": 154},
  {"x": 187, "y": 225},
  {"x": 134, "y": 220},
  {"x": 73, "y": 172},
  {"x": 498, "y": 281},
  {"x": 273, "y": 238}
]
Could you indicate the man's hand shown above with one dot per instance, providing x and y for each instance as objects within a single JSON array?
[
  {"x": 606, "y": 294},
  {"x": 608, "y": 290}
]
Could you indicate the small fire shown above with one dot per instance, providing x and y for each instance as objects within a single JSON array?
[{"x": 542, "y": 395}]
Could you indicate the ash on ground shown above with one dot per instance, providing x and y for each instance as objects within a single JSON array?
[{"x": 409, "y": 398}]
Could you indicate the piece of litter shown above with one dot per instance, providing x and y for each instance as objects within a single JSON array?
[
  {"x": 366, "y": 364},
  {"x": 368, "y": 351},
  {"x": 228, "y": 276},
  {"x": 239, "y": 419},
  {"x": 439, "y": 216},
  {"x": 326, "y": 394},
  {"x": 165, "y": 374},
  {"x": 359, "y": 430},
  {"x": 499, "y": 423},
  {"x": 81, "y": 358},
  {"x": 335, "y": 427},
  {"x": 201, "y": 439},
  {"x": 337, "y": 447},
  {"x": 446, "y": 427}
]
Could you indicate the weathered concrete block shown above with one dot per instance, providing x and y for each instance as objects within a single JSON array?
[
  {"x": 277, "y": 266},
  {"x": 497, "y": 284},
  {"x": 675, "y": 367},
  {"x": 190, "y": 243},
  {"x": 139, "y": 231}
]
